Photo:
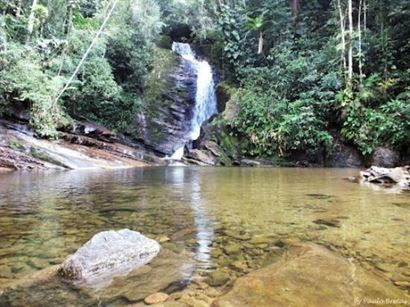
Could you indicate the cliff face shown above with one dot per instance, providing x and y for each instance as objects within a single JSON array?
[{"x": 169, "y": 100}]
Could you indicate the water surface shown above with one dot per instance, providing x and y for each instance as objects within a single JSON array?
[{"x": 196, "y": 212}]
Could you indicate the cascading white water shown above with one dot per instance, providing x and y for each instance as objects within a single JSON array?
[{"x": 205, "y": 98}]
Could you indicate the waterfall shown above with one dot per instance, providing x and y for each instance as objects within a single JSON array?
[{"x": 205, "y": 98}]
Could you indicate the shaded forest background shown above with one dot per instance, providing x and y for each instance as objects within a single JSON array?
[{"x": 300, "y": 73}]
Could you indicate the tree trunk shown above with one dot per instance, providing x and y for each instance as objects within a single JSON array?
[
  {"x": 218, "y": 7},
  {"x": 69, "y": 17},
  {"x": 343, "y": 36},
  {"x": 359, "y": 27},
  {"x": 31, "y": 18},
  {"x": 350, "y": 44},
  {"x": 260, "y": 43},
  {"x": 364, "y": 17},
  {"x": 295, "y": 8},
  {"x": 18, "y": 10}
]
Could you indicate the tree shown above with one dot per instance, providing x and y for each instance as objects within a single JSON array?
[
  {"x": 342, "y": 23},
  {"x": 69, "y": 16},
  {"x": 31, "y": 19},
  {"x": 350, "y": 46},
  {"x": 256, "y": 24}
]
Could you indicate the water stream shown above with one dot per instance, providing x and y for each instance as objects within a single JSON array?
[
  {"x": 205, "y": 98},
  {"x": 205, "y": 218}
]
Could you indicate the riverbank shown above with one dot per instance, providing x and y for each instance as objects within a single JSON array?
[{"x": 86, "y": 146}]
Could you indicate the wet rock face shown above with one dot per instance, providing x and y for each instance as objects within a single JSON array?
[
  {"x": 343, "y": 155},
  {"x": 384, "y": 157},
  {"x": 201, "y": 157},
  {"x": 169, "y": 103},
  {"x": 223, "y": 95},
  {"x": 309, "y": 275},
  {"x": 108, "y": 254}
]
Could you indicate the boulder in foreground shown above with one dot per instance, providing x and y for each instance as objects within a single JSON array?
[{"x": 108, "y": 254}]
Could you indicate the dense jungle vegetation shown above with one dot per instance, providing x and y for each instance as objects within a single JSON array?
[{"x": 302, "y": 73}]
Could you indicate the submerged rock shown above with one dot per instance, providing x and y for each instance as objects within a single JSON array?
[
  {"x": 156, "y": 298},
  {"x": 217, "y": 278},
  {"x": 309, "y": 275},
  {"x": 167, "y": 272},
  {"x": 108, "y": 254},
  {"x": 328, "y": 222}
]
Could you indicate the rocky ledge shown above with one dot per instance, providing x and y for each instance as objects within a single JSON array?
[{"x": 86, "y": 145}]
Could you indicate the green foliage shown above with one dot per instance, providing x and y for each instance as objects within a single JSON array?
[
  {"x": 273, "y": 126},
  {"x": 290, "y": 95},
  {"x": 293, "y": 95},
  {"x": 231, "y": 24},
  {"x": 288, "y": 105},
  {"x": 195, "y": 13},
  {"x": 130, "y": 56},
  {"x": 110, "y": 84},
  {"x": 36, "y": 89},
  {"x": 386, "y": 125},
  {"x": 96, "y": 80}
]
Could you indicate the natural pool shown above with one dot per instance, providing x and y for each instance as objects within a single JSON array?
[{"x": 207, "y": 219}]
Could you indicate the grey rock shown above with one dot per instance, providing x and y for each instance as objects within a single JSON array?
[
  {"x": 202, "y": 156},
  {"x": 343, "y": 155},
  {"x": 250, "y": 162},
  {"x": 107, "y": 255},
  {"x": 223, "y": 94},
  {"x": 217, "y": 278},
  {"x": 399, "y": 176},
  {"x": 169, "y": 102},
  {"x": 384, "y": 157},
  {"x": 93, "y": 130},
  {"x": 213, "y": 148}
]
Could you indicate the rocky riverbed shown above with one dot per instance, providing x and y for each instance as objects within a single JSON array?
[{"x": 222, "y": 231}]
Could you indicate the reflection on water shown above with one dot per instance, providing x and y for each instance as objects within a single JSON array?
[
  {"x": 201, "y": 214},
  {"x": 205, "y": 234}
]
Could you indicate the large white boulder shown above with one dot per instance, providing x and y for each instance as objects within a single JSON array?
[{"x": 109, "y": 254}]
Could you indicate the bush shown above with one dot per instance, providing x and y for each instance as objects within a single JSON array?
[
  {"x": 35, "y": 89},
  {"x": 273, "y": 126},
  {"x": 386, "y": 125}
]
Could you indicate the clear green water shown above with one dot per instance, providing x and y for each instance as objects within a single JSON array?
[{"x": 44, "y": 217}]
